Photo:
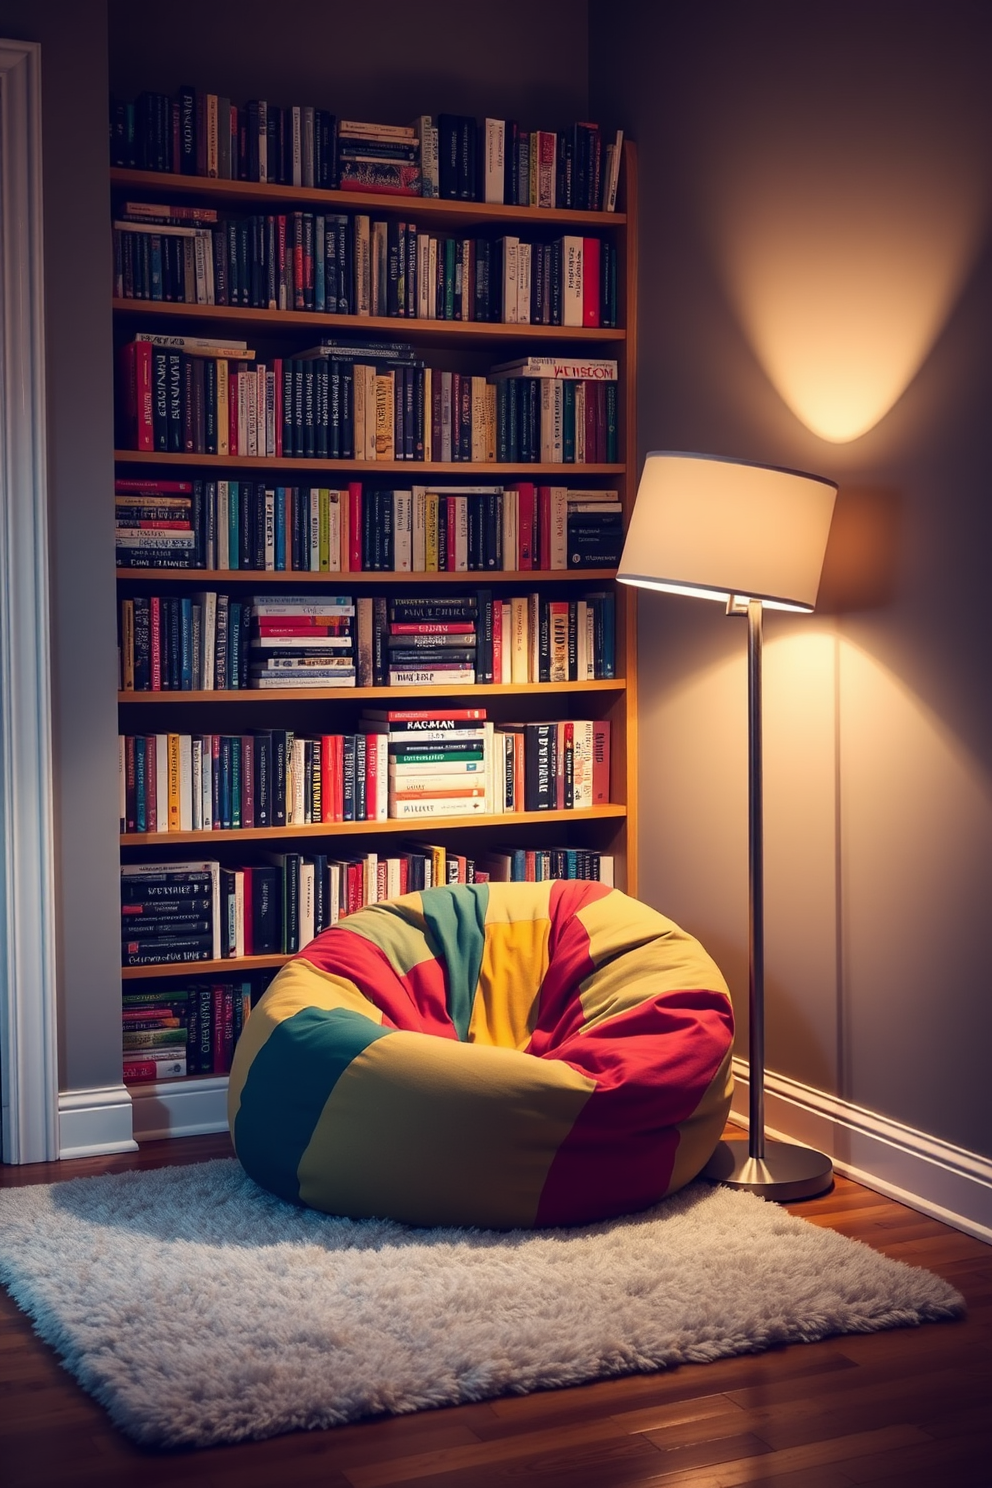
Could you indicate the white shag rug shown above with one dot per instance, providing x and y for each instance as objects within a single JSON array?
[{"x": 199, "y": 1309}]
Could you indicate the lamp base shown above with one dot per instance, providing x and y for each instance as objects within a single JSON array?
[{"x": 785, "y": 1173}]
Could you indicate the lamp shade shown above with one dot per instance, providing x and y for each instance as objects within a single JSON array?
[{"x": 714, "y": 527}]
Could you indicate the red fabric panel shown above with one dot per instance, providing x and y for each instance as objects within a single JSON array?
[
  {"x": 652, "y": 1066},
  {"x": 416, "y": 1002}
]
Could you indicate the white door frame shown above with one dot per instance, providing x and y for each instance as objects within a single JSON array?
[{"x": 28, "y": 1037}]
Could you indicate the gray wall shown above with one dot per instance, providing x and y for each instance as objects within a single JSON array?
[
  {"x": 815, "y": 190},
  {"x": 390, "y": 61},
  {"x": 73, "y": 37}
]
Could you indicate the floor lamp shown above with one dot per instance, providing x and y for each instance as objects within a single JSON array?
[{"x": 750, "y": 536}]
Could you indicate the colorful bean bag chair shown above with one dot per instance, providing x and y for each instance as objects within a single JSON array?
[{"x": 502, "y": 1055}]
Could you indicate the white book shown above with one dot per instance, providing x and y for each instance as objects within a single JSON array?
[
  {"x": 589, "y": 369},
  {"x": 428, "y": 677},
  {"x": 309, "y": 152},
  {"x": 312, "y": 643},
  {"x": 237, "y": 940},
  {"x": 418, "y": 552},
  {"x": 161, "y": 782},
  {"x": 207, "y": 600},
  {"x": 402, "y": 531},
  {"x": 432, "y": 279},
  {"x": 614, "y": 154},
  {"x": 582, "y": 763},
  {"x": 269, "y": 519},
  {"x": 590, "y": 644},
  {"x": 307, "y": 876},
  {"x": 455, "y": 806},
  {"x": 473, "y": 769},
  {"x": 287, "y": 605},
  {"x": 519, "y": 640},
  {"x": 314, "y": 563},
  {"x": 206, "y": 783},
  {"x": 185, "y": 783},
  {"x": 495, "y": 146},
  {"x": 276, "y": 681},
  {"x": 523, "y": 283},
  {"x": 223, "y": 525},
  {"x": 297, "y": 136},
  {"x": 559, "y": 527},
  {"x": 552, "y": 418},
  {"x": 423, "y": 276},
  {"x": 363, "y": 288},
  {"x": 571, "y": 281},
  {"x": 510, "y": 267},
  {"x": 394, "y": 882},
  {"x": 582, "y": 658},
  {"x": 334, "y": 500},
  {"x": 428, "y": 413},
  {"x": 370, "y": 878},
  {"x": 263, "y": 140},
  {"x": 334, "y": 892},
  {"x": 606, "y": 862}
]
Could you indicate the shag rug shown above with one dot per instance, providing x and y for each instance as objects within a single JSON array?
[{"x": 199, "y": 1309}]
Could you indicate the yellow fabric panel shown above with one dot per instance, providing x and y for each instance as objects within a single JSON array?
[
  {"x": 452, "y": 1133},
  {"x": 297, "y": 986},
  {"x": 638, "y": 954},
  {"x": 699, "y": 1134},
  {"x": 400, "y": 934},
  {"x": 509, "y": 902},
  {"x": 514, "y": 962}
]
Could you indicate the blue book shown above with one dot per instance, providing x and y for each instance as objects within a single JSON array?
[{"x": 279, "y": 517}]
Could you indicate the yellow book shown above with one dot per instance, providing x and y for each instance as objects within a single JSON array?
[
  {"x": 174, "y": 759},
  {"x": 223, "y": 406},
  {"x": 519, "y": 639},
  {"x": 323, "y": 530},
  {"x": 385, "y": 448},
  {"x": 430, "y": 532},
  {"x": 127, "y": 645}
]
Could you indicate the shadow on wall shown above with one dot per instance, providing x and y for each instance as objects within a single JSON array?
[{"x": 862, "y": 558}]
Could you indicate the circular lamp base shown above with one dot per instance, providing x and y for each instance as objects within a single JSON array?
[{"x": 785, "y": 1173}]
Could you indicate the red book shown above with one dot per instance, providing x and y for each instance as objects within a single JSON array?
[
  {"x": 298, "y": 270},
  {"x": 371, "y": 774},
  {"x": 601, "y": 762},
  {"x": 404, "y": 874},
  {"x": 155, "y": 641},
  {"x": 497, "y": 640},
  {"x": 433, "y": 627},
  {"x": 590, "y": 281},
  {"x": 136, "y": 380},
  {"x": 151, "y": 783},
  {"x": 416, "y": 715},
  {"x": 232, "y": 412},
  {"x": 355, "y": 526},
  {"x": 526, "y": 524}
]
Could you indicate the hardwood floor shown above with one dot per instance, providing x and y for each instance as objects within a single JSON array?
[{"x": 909, "y": 1408}]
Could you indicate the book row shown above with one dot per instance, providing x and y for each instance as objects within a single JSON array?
[
  {"x": 353, "y": 264},
  {"x": 190, "y": 1030},
  {"x": 453, "y": 156},
  {"x": 325, "y": 405},
  {"x": 176, "y": 782},
  {"x": 235, "y": 525},
  {"x": 209, "y": 642},
  {"x": 278, "y": 903}
]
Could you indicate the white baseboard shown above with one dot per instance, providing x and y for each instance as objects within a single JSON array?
[
  {"x": 180, "y": 1108},
  {"x": 95, "y": 1122},
  {"x": 941, "y": 1180}
]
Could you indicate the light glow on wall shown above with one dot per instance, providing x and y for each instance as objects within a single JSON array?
[{"x": 844, "y": 210}]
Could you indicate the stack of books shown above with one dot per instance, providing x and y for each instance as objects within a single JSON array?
[
  {"x": 189, "y": 1030},
  {"x": 155, "y": 525},
  {"x": 302, "y": 641},
  {"x": 535, "y": 865},
  {"x": 379, "y": 157},
  {"x": 439, "y": 760},
  {"x": 432, "y": 640},
  {"x": 170, "y": 912}
]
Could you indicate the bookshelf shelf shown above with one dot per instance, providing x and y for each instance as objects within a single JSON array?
[
  {"x": 363, "y": 694},
  {"x": 412, "y": 468},
  {"x": 446, "y": 332},
  {"x": 375, "y": 828},
  {"x": 203, "y": 969},
  {"x": 295, "y": 577},
  {"x": 156, "y": 185}
]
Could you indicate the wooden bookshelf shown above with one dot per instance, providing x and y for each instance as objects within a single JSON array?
[{"x": 607, "y": 828}]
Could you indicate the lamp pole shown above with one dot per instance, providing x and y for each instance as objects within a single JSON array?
[{"x": 781, "y": 1171}]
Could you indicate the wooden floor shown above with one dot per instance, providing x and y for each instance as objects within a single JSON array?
[{"x": 909, "y": 1408}]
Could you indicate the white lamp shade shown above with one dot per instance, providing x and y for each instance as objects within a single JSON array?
[{"x": 714, "y": 527}]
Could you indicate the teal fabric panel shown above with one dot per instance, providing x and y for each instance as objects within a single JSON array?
[
  {"x": 287, "y": 1087},
  {"x": 456, "y": 921}
]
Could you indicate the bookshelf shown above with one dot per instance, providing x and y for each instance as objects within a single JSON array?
[{"x": 196, "y": 1103}]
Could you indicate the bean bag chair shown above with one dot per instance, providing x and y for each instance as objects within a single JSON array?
[{"x": 500, "y": 1055}]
